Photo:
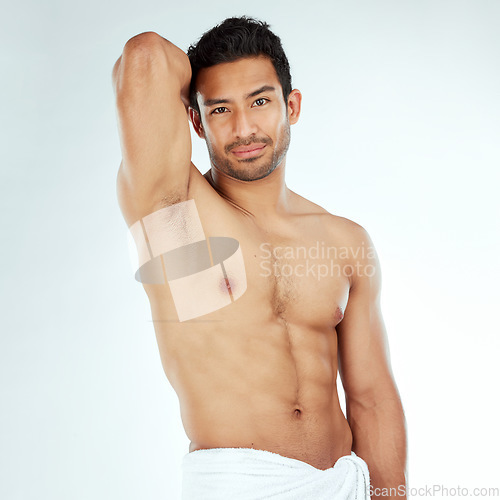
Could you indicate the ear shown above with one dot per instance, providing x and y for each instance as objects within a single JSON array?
[
  {"x": 196, "y": 121},
  {"x": 294, "y": 103}
]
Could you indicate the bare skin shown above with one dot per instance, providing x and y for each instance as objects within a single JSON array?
[{"x": 260, "y": 373}]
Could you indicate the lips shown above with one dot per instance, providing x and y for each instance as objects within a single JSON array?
[{"x": 248, "y": 151}]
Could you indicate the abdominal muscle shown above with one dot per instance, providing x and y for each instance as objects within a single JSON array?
[{"x": 268, "y": 385}]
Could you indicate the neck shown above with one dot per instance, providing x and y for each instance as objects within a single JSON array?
[{"x": 264, "y": 198}]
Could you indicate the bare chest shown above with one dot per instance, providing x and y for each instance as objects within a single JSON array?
[
  {"x": 302, "y": 280},
  {"x": 241, "y": 272}
]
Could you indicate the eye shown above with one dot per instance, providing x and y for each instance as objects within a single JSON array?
[
  {"x": 218, "y": 111},
  {"x": 260, "y": 101}
]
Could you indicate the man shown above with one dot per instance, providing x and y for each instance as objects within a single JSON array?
[{"x": 257, "y": 295}]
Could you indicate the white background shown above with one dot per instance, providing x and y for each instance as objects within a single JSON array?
[{"x": 399, "y": 132}]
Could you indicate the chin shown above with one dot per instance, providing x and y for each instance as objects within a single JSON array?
[{"x": 253, "y": 175}]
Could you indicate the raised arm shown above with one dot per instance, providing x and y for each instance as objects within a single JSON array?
[
  {"x": 374, "y": 409},
  {"x": 151, "y": 84}
]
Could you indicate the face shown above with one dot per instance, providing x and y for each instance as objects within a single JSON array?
[{"x": 243, "y": 117}]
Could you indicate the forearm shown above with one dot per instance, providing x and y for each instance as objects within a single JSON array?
[{"x": 379, "y": 438}]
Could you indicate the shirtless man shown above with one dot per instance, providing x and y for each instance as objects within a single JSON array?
[{"x": 257, "y": 375}]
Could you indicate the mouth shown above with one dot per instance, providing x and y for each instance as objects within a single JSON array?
[{"x": 248, "y": 151}]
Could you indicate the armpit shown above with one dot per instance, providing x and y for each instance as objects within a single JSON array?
[{"x": 169, "y": 246}]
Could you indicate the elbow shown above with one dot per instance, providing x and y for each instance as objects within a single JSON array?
[
  {"x": 146, "y": 55},
  {"x": 141, "y": 50},
  {"x": 150, "y": 46},
  {"x": 135, "y": 61},
  {"x": 142, "y": 44}
]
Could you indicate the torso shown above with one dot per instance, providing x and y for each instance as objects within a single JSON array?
[{"x": 261, "y": 372}]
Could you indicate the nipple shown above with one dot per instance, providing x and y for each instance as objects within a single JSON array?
[
  {"x": 339, "y": 314},
  {"x": 227, "y": 285}
]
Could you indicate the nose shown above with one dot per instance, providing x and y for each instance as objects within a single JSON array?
[{"x": 243, "y": 124}]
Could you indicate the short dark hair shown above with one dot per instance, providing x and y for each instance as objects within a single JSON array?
[{"x": 233, "y": 39}]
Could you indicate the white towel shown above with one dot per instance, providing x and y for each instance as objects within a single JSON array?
[{"x": 249, "y": 474}]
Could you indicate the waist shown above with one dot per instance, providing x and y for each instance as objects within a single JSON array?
[
  {"x": 228, "y": 473},
  {"x": 217, "y": 457},
  {"x": 315, "y": 437}
]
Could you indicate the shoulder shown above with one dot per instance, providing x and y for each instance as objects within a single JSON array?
[
  {"x": 352, "y": 241},
  {"x": 343, "y": 230}
]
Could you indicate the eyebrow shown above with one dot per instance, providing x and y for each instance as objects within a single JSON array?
[{"x": 265, "y": 88}]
